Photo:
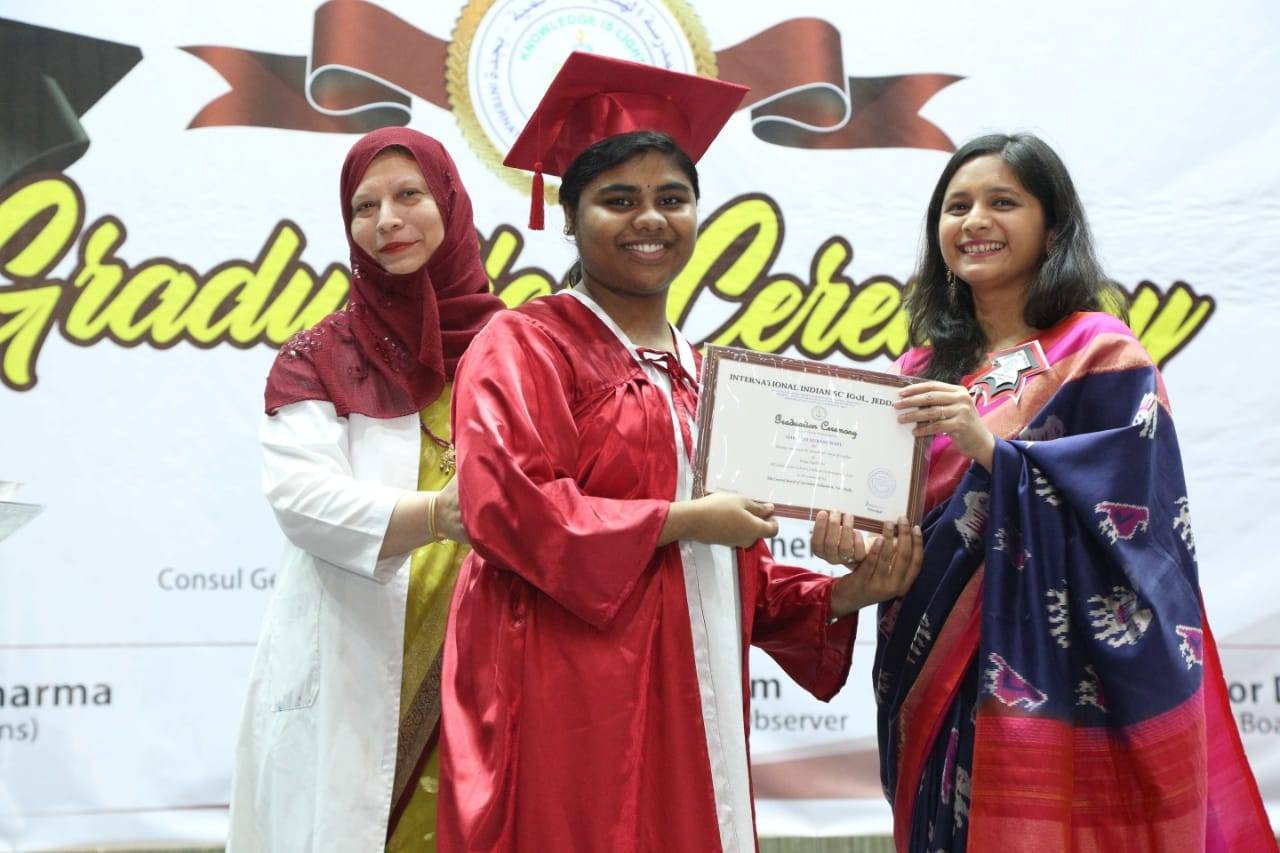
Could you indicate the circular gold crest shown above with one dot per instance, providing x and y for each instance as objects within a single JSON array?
[{"x": 504, "y": 54}]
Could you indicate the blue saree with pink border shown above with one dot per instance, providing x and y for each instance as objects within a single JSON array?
[{"x": 1050, "y": 682}]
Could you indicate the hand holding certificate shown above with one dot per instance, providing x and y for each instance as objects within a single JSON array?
[
  {"x": 886, "y": 569},
  {"x": 806, "y": 436}
]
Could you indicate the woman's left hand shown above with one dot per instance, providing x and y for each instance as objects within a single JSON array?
[
  {"x": 937, "y": 408},
  {"x": 891, "y": 565}
]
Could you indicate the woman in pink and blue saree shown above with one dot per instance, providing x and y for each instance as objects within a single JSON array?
[{"x": 1050, "y": 682}]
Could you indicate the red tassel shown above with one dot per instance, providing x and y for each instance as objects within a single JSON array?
[{"x": 535, "y": 199}]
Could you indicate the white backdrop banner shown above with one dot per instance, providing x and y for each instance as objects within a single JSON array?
[{"x": 168, "y": 216}]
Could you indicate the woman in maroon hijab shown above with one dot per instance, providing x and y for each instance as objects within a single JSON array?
[{"x": 337, "y": 748}]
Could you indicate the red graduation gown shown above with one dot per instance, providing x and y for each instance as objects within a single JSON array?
[{"x": 571, "y": 705}]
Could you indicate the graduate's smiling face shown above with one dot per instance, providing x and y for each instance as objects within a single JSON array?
[
  {"x": 635, "y": 225},
  {"x": 393, "y": 215}
]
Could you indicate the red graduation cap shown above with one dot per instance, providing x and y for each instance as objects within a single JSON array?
[{"x": 595, "y": 97}]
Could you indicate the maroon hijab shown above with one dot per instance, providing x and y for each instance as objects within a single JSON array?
[{"x": 391, "y": 350}]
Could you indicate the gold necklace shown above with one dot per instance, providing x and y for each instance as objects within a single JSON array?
[{"x": 449, "y": 458}]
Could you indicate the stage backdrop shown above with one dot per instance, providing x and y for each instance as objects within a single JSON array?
[{"x": 168, "y": 216}]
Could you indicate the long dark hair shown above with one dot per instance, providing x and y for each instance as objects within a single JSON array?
[
  {"x": 608, "y": 153},
  {"x": 1069, "y": 278}
]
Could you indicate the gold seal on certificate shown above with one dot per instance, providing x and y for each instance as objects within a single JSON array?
[{"x": 807, "y": 436}]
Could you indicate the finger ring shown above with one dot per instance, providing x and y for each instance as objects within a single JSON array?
[{"x": 851, "y": 560}]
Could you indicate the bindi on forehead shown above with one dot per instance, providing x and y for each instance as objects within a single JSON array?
[{"x": 669, "y": 186}]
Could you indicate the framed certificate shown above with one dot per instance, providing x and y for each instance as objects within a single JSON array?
[{"x": 807, "y": 436}]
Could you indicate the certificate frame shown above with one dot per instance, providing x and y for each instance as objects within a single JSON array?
[{"x": 858, "y": 487}]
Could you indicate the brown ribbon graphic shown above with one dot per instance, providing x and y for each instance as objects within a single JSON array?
[
  {"x": 796, "y": 73},
  {"x": 365, "y": 63}
]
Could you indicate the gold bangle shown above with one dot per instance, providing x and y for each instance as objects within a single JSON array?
[{"x": 431, "y": 517}]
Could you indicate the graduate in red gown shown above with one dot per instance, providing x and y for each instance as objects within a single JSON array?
[{"x": 596, "y": 657}]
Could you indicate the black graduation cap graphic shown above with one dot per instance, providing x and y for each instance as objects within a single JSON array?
[{"x": 48, "y": 80}]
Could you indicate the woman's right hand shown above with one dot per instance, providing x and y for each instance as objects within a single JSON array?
[
  {"x": 720, "y": 519},
  {"x": 936, "y": 408}
]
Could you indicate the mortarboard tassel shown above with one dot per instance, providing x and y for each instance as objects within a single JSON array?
[{"x": 535, "y": 199}]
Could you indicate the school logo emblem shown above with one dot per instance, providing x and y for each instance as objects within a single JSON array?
[{"x": 504, "y": 53}]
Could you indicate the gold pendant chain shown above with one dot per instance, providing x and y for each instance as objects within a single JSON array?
[{"x": 449, "y": 457}]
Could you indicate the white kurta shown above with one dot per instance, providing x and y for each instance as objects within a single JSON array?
[
  {"x": 317, "y": 748},
  {"x": 715, "y": 621}
]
